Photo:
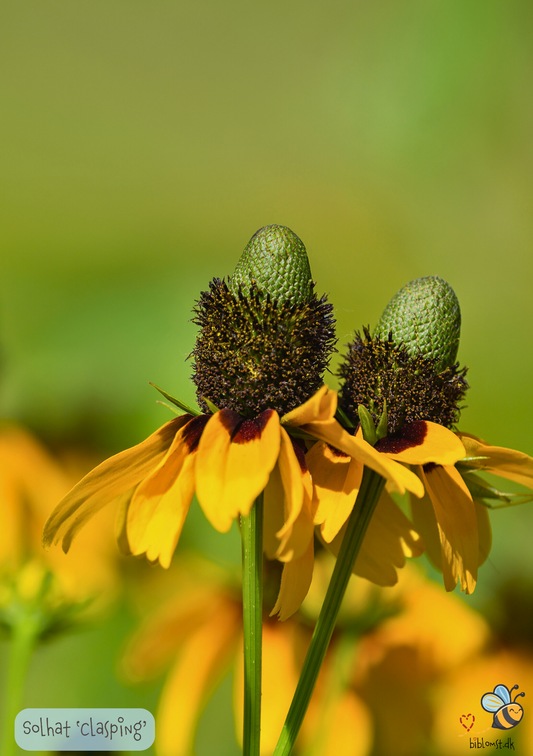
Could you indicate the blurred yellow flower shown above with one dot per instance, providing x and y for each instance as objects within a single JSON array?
[
  {"x": 198, "y": 633},
  {"x": 400, "y": 662},
  {"x": 30, "y": 481}
]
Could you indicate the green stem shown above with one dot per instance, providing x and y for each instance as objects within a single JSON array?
[
  {"x": 369, "y": 493},
  {"x": 252, "y": 601},
  {"x": 24, "y": 634}
]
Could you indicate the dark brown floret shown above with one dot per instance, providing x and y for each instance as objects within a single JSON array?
[
  {"x": 375, "y": 371},
  {"x": 254, "y": 354}
]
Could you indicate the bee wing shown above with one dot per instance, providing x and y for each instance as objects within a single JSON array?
[
  {"x": 492, "y": 702},
  {"x": 503, "y": 692}
]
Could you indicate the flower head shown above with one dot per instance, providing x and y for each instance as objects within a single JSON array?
[
  {"x": 403, "y": 385},
  {"x": 264, "y": 342}
]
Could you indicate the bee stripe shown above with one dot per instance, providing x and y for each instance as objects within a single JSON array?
[{"x": 507, "y": 716}]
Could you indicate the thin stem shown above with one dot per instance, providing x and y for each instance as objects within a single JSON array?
[
  {"x": 369, "y": 493},
  {"x": 24, "y": 636},
  {"x": 252, "y": 601}
]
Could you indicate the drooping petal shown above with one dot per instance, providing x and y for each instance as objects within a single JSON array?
[
  {"x": 273, "y": 512},
  {"x": 160, "y": 503},
  {"x": 322, "y": 406},
  {"x": 298, "y": 526},
  {"x": 457, "y": 525},
  {"x": 336, "y": 478},
  {"x": 421, "y": 442},
  {"x": 507, "y": 463},
  {"x": 107, "y": 481},
  {"x": 121, "y": 521},
  {"x": 398, "y": 477},
  {"x": 425, "y": 522},
  {"x": 295, "y": 581},
  {"x": 291, "y": 496},
  {"x": 234, "y": 462},
  {"x": 159, "y": 536},
  {"x": 389, "y": 539},
  {"x": 484, "y": 531},
  {"x": 295, "y": 543},
  {"x": 288, "y": 520}
]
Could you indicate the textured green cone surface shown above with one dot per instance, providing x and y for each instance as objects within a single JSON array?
[
  {"x": 275, "y": 258},
  {"x": 425, "y": 317}
]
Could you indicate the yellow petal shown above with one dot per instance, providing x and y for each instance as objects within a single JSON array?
[
  {"x": 507, "y": 463},
  {"x": 288, "y": 524},
  {"x": 457, "y": 525},
  {"x": 295, "y": 582},
  {"x": 234, "y": 462},
  {"x": 157, "y": 485},
  {"x": 196, "y": 601},
  {"x": 296, "y": 541},
  {"x": 297, "y": 529},
  {"x": 159, "y": 536},
  {"x": 349, "y": 713},
  {"x": 273, "y": 512},
  {"x": 321, "y": 406},
  {"x": 204, "y": 658},
  {"x": 336, "y": 480},
  {"x": 484, "y": 532},
  {"x": 107, "y": 481},
  {"x": 333, "y": 721},
  {"x": 425, "y": 522},
  {"x": 389, "y": 539},
  {"x": 293, "y": 486},
  {"x": 399, "y": 478},
  {"x": 422, "y": 442},
  {"x": 121, "y": 521},
  {"x": 278, "y": 664}
]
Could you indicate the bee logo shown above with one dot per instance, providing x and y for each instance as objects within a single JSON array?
[{"x": 507, "y": 713}]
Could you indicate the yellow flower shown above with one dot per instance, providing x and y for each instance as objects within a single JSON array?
[
  {"x": 228, "y": 461},
  {"x": 403, "y": 385},
  {"x": 31, "y": 481},
  {"x": 404, "y": 659},
  {"x": 336, "y": 468},
  {"x": 195, "y": 637},
  {"x": 452, "y": 517}
]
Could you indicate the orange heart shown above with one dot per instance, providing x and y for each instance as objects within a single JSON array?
[{"x": 467, "y": 718}]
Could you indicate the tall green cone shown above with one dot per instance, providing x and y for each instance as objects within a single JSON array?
[
  {"x": 414, "y": 375},
  {"x": 276, "y": 260},
  {"x": 265, "y": 338},
  {"x": 425, "y": 317}
]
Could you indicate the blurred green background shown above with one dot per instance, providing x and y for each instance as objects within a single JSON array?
[{"x": 144, "y": 143}]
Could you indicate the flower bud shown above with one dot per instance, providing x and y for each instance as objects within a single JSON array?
[
  {"x": 276, "y": 260},
  {"x": 425, "y": 318},
  {"x": 265, "y": 338}
]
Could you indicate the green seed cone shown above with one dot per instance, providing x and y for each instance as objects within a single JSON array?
[
  {"x": 275, "y": 258},
  {"x": 425, "y": 317}
]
